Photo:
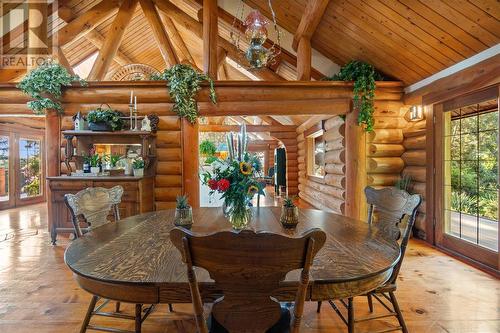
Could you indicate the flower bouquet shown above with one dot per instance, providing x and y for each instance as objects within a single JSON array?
[{"x": 235, "y": 178}]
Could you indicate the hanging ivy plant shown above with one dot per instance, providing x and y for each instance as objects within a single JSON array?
[
  {"x": 45, "y": 84},
  {"x": 364, "y": 76},
  {"x": 183, "y": 82}
]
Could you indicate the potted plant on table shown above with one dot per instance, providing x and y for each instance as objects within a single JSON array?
[
  {"x": 183, "y": 212},
  {"x": 138, "y": 166},
  {"x": 94, "y": 161},
  {"x": 289, "y": 213},
  {"x": 105, "y": 119},
  {"x": 113, "y": 160}
]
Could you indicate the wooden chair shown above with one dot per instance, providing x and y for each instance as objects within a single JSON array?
[
  {"x": 93, "y": 205},
  {"x": 248, "y": 268},
  {"x": 393, "y": 211}
]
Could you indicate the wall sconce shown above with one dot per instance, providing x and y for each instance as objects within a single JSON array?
[{"x": 416, "y": 113}]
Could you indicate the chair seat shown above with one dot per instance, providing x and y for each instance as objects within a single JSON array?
[
  {"x": 282, "y": 326},
  {"x": 385, "y": 288}
]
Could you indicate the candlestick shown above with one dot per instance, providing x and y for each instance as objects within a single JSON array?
[
  {"x": 131, "y": 96},
  {"x": 131, "y": 120}
]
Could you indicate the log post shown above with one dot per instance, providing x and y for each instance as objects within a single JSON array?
[
  {"x": 190, "y": 162},
  {"x": 52, "y": 152},
  {"x": 355, "y": 157},
  {"x": 210, "y": 37},
  {"x": 304, "y": 60}
]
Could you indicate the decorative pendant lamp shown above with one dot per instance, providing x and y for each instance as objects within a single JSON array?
[{"x": 255, "y": 25}]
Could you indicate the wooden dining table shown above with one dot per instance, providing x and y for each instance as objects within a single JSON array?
[{"x": 133, "y": 260}]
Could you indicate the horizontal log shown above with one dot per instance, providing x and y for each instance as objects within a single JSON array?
[
  {"x": 301, "y": 158},
  {"x": 169, "y": 154},
  {"x": 417, "y": 187},
  {"x": 167, "y": 193},
  {"x": 161, "y": 205},
  {"x": 160, "y": 109},
  {"x": 300, "y": 137},
  {"x": 415, "y": 157},
  {"x": 168, "y": 181},
  {"x": 416, "y": 142},
  {"x": 314, "y": 203},
  {"x": 337, "y": 205},
  {"x": 389, "y": 109},
  {"x": 334, "y": 133},
  {"x": 384, "y": 150},
  {"x": 335, "y": 180},
  {"x": 384, "y": 165},
  {"x": 415, "y": 126},
  {"x": 378, "y": 179},
  {"x": 326, "y": 189},
  {"x": 32, "y": 122},
  {"x": 335, "y": 156},
  {"x": 385, "y": 136},
  {"x": 333, "y": 122},
  {"x": 169, "y": 123},
  {"x": 283, "y": 135},
  {"x": 410, "y": 134},
  {"x": 338, "y": 143},
  {"x": 337, "y": 169},
  {"x": 168, "y": 138},
  {"x": 420, "y": 222},
  {"x": 389, "y": 122},
  {"x": 169, "y": 168},
  {"x": 417, "y": 173},
  {"x": 252, "y": 128},
  {"x": 301, "y": 174}
]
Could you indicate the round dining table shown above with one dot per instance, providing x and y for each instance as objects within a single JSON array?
[{"x": 133, "y": 260}]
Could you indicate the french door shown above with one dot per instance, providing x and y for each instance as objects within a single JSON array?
[
  {"x": 21, "y": 167},
  {"x": 467, "y": 177}
]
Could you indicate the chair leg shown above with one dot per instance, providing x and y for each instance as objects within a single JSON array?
[
  {"x": 318, "y": 309},
  {"x": 88, "y": 315},
  {"x": 395, "y": 304},
  {"x": 170, "y": 307},
  {"x": 370, "y": 302},
  {"x": 350, "y": 315},
  {"x": 138, "y": 318},
  {"x": 117, "y": 307}
]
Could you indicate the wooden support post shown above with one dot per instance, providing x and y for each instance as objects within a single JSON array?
[
  {"x": 356, "y": 177},
  {"x": 210, "y": 37},
  {"x": 38, "y": 35},
  {"x": 52, "y": 152},
  {"x": 166, "y": 48},
  {"x": 304, "y": 60},
  {"x": 190, "y": 162},
  {"x": 113, "y": 40}
]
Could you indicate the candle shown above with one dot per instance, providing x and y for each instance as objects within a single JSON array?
[
  {"x": 135, "y": 103},
  {"x": 131, "y": 96}
]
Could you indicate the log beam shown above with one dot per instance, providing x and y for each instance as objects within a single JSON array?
[
  {"x": 185, "y": 55},
  {"x": 63, "y": 60},
  {"x": 210, "y": 37},
  {"x": 309, "y": 22},
  {"x": 304, "y": 60},
  {"x": 250, "y": 128},
  {"x": 113, "y": 40},
  {"x": 165, "y": 45}
]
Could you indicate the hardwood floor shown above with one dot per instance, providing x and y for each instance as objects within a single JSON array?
[{"x": 38, "y": 294}]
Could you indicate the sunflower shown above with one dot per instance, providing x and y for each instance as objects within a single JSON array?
[
  {"x": 252, "y": 190},
  {"x": 245, "y": 168}
]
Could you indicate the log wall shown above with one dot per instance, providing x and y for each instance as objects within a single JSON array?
[
  {"x": 414, "y": 142},
  {"x": 327, "y": 194}
]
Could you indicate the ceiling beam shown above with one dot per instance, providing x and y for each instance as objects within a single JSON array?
[
  {"x": 113, "y": 40},
  {"x": 164, "y": 44},
  {"x": 196, "y": 27},
  {"x": 63, "y": 60},
  {"x": 184, "y": 56},
  {"x": 210, "y": 38},
  {"x": 313, "y": 14},
  {"x": 86, "y": 22},
  {"x": 250, "y": 128}
]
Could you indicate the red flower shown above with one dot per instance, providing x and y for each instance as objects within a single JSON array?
[
  {"x": 212, "y": 183},
  {"x": 223, "y": 185}
]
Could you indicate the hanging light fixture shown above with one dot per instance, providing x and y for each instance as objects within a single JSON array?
[
  {"x": 416, "y": 113},
  {"x": 255, "y": 25}
]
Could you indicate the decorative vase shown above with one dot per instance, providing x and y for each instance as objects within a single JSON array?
[
  {"x": 95, "y": 170},
  {"x": 139, "y": 172},
  {"x": 289, "y": 217},
  {"x": 239, "y": 215},
  {"x": 184, "y": 217}
]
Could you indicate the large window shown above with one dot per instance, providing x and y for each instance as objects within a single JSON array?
[{"x": 316, "y": 155}]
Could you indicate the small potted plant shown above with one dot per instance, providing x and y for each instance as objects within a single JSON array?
[
  {"x": 289, "y": 213},
  {"x": 183, "y": 213},
  {"x": 105, "y": 119},
  {"x": 138, "y": 166},
  {"x": 113, "y": 160},
  {"x": 94, "y": 161}
]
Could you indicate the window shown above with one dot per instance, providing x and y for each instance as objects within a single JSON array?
[{"x": 316, "y": 155}]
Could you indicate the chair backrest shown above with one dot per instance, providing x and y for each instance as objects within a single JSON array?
[
  {"x": 248, "y": 267},
  {"x": 394, "y": 212},
  {"x": 94, "y": 204}
]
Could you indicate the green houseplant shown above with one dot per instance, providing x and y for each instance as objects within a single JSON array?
[
  {"x": 105, "y": 119},
  {"x": 44, "y": 84},
  {"x": 183, "y": 212},
  {"x": 138, "y": 166},
  {"x": 113, "y": 160},
  {"x": 183, "y": 82},
  {"x": 364, "y": 76},
  {"x": 207, "y": 148},
  {"x": 94, "y": 161}
]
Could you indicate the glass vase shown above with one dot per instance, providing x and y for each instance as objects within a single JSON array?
[
  {"x": 183, "y": 217},
  {"x": 239, "y": 215}
]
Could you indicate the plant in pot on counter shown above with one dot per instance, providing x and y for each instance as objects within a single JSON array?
[
  {"x": 138, "y": 166},
  {"x": 289, "y": 213},
  {"x": 113, "y": 160},
  {"x": 183, "y": 212},
  {"x": 105, "y": 119},
  {"x": 94, "y": 160}
]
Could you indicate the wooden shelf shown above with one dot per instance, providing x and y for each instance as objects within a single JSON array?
[{"x": 108, "y": 133}]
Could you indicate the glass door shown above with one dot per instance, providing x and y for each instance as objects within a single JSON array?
[
  {"x": 468, "y": 178},
  {"x": 5, "y": 162}
]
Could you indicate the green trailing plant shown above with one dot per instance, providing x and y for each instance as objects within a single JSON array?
[
  {"x": 404, "y": 183},
  {"x": 44, "y": 84},
  {"x": 138, "y": 163},
  {"x": 207, "y": 148},
  {"x": 106, "y": 115},
  {"x": 364, "y": 76},
  {"x": 288, "y": 202},
  {"x": 183, "y": 82},
  {"x": 113, "y": 159},
  {"x": 182, "y": 202}
]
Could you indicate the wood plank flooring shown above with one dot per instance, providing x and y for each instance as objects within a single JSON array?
[{"x": 38, "y": 294}]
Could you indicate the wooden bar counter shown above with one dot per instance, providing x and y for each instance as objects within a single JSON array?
[{"x": 137, "y": 197}]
